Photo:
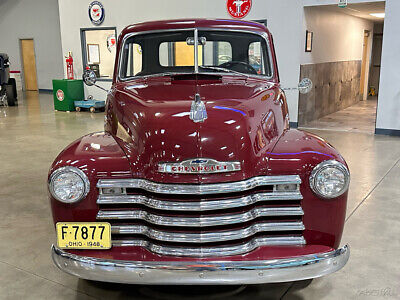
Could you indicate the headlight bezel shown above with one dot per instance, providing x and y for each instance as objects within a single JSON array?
[
  {"x": 329, "y": 164},
  {"x": 69, "y": 169}
]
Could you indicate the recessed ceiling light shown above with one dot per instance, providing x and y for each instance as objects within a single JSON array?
[{"x": 378, "y": 15}]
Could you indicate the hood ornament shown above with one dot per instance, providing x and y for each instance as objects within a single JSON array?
[
  {"x": 199, "y": 166},
  {"x": 198, "y": 111}
]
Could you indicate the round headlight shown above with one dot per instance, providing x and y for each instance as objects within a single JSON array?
[
  {"x": 69, "y": 184},
  {"x": 330, "y": 179}
]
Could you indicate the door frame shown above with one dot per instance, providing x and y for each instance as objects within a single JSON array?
[
  {"x": 365, "y": 64},
  {"x": 22, "y": 63}
]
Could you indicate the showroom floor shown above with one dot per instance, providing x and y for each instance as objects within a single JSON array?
[
  {"x": 31, "y": 136},
  {"x": 359, "y": 117}
]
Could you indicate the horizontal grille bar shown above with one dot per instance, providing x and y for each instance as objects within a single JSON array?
[
  {"x": 199, "y": 221},
  {"x": 198, "y": 189},
  {"x": 213, "y": 251},
  {"x": 202, "y": 205},
  {"x": 207, "y": 237}
]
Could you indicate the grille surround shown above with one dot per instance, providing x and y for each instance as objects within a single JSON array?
[{"x": 236, "y": 216}]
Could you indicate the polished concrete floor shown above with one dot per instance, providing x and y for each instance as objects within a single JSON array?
[
  {"x": 31, "y": 136},
  {"x": 359, "y": 117}
]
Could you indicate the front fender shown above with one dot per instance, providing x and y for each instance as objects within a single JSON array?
[
  {"x": 98, "y": 155},
  {"x": 298, "y": 152}
]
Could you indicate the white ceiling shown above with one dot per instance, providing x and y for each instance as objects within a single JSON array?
[{"x": 361, "y": 10}]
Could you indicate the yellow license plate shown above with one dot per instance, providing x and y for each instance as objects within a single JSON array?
[{"x": 83, "y": 235}]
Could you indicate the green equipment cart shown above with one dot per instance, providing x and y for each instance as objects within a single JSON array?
[{"x": 65, "y": 92}]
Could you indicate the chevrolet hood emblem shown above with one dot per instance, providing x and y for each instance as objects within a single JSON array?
[
  {"x": 199, "y": 166},
  {"x": 198, "y": 111}
]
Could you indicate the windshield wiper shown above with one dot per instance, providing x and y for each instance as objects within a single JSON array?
[{"x": 223, "y": 70}]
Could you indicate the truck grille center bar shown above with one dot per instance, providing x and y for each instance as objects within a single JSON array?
[{"x": 203, "y": 220}]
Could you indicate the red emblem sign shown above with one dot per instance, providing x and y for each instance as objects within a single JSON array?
[
  {"x": 60, "y": 95},
  {"x": 238, "y": 8}
]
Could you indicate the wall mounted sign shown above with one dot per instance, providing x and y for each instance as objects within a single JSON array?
[
  {"x": 309, "y": 40},
  {"x": 238, "y": 8},
  {"x": 96, "y": 12},
  {"x": 111, "y": 42}
]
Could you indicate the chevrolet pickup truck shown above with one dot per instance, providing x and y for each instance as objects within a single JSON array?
[{"x": 198, "y": 177}]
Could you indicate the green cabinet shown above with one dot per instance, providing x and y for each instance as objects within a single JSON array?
[{"x": 65, "y": 92}]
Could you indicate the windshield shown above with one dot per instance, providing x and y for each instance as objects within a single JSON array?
[{"x": 174, "y": 52}]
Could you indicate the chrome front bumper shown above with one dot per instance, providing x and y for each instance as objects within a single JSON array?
[{"x": 210, "y": 272}]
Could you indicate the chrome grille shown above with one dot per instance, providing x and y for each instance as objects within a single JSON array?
[{"x": 203, "y": 220}]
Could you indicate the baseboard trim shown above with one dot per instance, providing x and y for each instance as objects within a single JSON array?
[
  {"x": 293, "y": 124},
  {"x": 45, "y": 91},
  {"x": 392, "y": 132}
]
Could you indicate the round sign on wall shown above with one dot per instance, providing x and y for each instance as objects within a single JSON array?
[
  {"x": 238, "y": 8},
  {"x": 60, "y": 95},
  {"x": 96, "y": 12}
]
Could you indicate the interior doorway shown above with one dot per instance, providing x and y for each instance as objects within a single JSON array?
[
  {"x": 29, "y": 64},
  {"x": 344, "y": 70}
]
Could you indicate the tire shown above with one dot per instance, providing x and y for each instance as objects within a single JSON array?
[
  {"x": 11, "y": 100},
  {"x": 77, "y": 108},
  {"x": 92, "y": 109},
  {"x": 13, "y": 83}
]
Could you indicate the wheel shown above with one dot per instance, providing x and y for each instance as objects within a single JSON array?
[
  {"x": 11, "y": 100},
  {"x": 92, "y": 109},
  {"x": 77, "y": 108},
  {"x": 13, "y": 83}
]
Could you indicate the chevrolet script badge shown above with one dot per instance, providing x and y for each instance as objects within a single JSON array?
[
  {"x": 198, "y": 111},
  {"x": 199, "y": 166}
]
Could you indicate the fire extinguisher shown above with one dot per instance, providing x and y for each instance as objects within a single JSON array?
[{"x": 70, "y": 66}]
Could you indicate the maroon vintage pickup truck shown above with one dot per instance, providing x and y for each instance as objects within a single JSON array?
[{"x": 197, "y": 178}]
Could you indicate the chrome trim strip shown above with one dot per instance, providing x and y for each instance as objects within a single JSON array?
[
  {"x": 201, "y": 205},
  {"x": 212, "y": 251},
  {"x": 198, "y": 189},
  {"x": 196, "y": 50},
  {"x": 199, "y": 272},
  {"x": 207, "y": 237},
  {"x": 203, "y": 221}
]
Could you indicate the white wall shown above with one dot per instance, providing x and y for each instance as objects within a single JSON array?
[
  {"x": 288, "y": 38},
  {"x": 333, "y": 2},
  {"x": 20, "y": 19},
  {"x": 388, "y": 114},
  {"x": 337, "y": 36}
]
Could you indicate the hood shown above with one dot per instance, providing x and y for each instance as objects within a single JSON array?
[{"x": 156, "y": 115}]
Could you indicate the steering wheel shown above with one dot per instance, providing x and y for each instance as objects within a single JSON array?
[{"x": 239, "y": 66}]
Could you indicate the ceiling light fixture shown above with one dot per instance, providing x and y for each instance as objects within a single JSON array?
[{"x": 378, "y": 15}]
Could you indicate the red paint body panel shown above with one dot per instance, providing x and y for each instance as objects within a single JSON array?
[{"x": 148, "y": 123}]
